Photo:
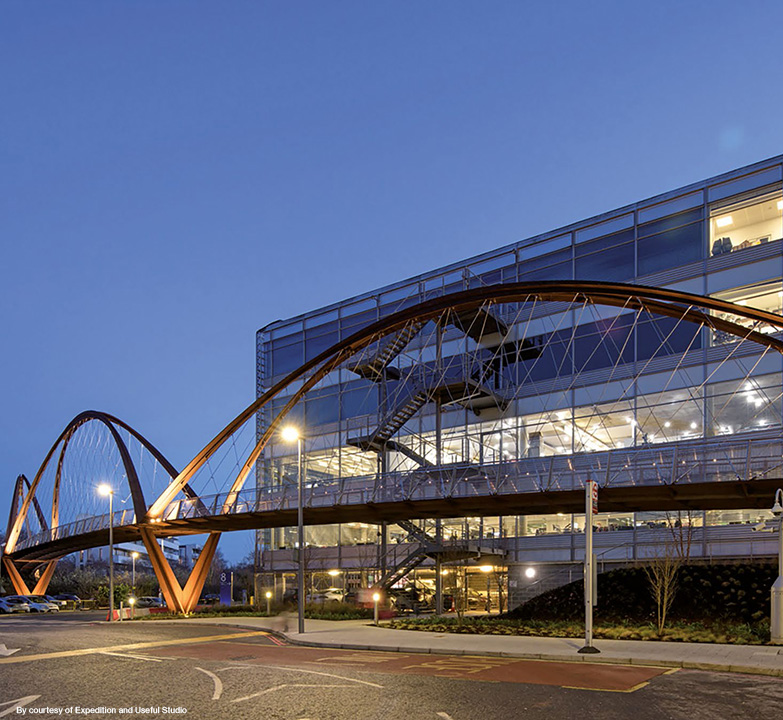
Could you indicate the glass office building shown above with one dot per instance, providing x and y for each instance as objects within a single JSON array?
[{"x": 561, "y": 382}]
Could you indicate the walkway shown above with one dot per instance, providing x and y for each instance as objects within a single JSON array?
[{"x": 359, "y": 635}]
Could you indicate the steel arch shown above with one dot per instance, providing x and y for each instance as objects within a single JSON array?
[{"x": 672, "y": 303}]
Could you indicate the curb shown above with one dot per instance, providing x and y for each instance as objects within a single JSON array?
[{"x": 548, "y": 657}]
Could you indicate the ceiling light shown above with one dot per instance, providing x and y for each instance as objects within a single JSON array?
[
  {"x": 694, "y": 426},
  {"x": 724, "y": 221},
  {"x": 667, "y": 424}
]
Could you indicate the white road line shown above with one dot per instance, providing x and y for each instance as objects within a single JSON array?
[
  {"x": 286, "y": 685},
  {"x": 218, "y": 683},
  {"x": 128, "y": 656},
  {"x": 444, "y": 715},
  {"x": 315, "y": 672},
  {"x": 15, "y": 704}
]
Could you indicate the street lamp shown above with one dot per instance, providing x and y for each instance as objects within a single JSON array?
[
  {"x": 776, "y": 605},
  {"x": 376, "y": 598},
  {"x": 292, "y": 434},
  {"x": 107, "y": 491},
  {"x": 268, "y": 602},
  {"x": 134, "y": 557}
]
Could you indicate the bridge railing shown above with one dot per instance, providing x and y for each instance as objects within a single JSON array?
[{"x": 716, "y": 459}]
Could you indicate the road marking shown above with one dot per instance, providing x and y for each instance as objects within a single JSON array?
[
  {"x": 285, "y": 685},
  {"x": 120, "y": 648},
  {"x": 130, "y": 656},
  {"x": 444, "y": 715},
  {"x": 218, "y": 683},
  {"x": 5, "y": 652},
  {"x": 15, "y": 704},
  {"x": 315, "y": 672}
]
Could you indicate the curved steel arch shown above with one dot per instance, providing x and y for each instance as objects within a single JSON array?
[
  {"x": 137, "y": 494},
  {"x": 672, "y": 303}
]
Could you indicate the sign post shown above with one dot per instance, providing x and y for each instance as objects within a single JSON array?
[{"x": 591, "y": 507}]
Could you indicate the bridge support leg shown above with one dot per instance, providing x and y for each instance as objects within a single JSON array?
[
  {"x": 43, "y": 582},
  {"x": 16, "y": 579},
  {"x": 169, "y": 586},
  {"x": 195, "y": 583}
]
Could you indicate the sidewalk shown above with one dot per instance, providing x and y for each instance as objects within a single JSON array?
[{"x": 358, "y": 634}]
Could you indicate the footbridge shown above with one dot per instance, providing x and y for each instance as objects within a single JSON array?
[{"x": 520, "y": 348}]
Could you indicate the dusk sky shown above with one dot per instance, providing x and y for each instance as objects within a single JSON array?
[{"x": 176, "y": 174}]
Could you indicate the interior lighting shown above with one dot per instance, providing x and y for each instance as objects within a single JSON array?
[
  {"x": 486, "y": 568},
  {"x": 667, "y": 424},
  {"x": 333, "y": 573},
  {"x": 724, "y": 221},
  {"x": 694, "y": 426}
]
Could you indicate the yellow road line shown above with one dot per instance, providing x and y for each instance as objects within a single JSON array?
[{"x": 118, "y": 648}]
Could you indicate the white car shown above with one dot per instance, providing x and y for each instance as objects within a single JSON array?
[{"x": 38, "y": 603}]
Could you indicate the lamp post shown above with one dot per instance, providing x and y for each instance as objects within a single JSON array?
[
  {"x": 291, "y": 434},
  {"x": 134, "y": 557},
  {"x": 268, "y": 602},
  {"x": 376, "y": 598},
  {"x": 107, "y": 491},
  {"x": 776, "y": 605}
]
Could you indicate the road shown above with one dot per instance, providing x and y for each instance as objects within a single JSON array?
[{"x": 75, "y": 665}]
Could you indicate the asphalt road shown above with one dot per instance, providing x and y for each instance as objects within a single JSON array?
[{"x": 75, "y": 665}]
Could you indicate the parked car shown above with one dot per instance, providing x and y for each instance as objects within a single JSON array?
[
  {"x": 328, "y": 595},
  {"x": 56, "y": 601},
  {"x": 149, "y": 601},
  {"x": 51, "y": 606},
  {"x": 68, "y": 597},
  {"x": 31, "y": 604},
  {"x": 210, "y": 599},
  {"x": 10, "y": 605}
]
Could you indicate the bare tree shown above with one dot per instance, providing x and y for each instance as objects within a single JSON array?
[{"x": 661, "y": 572}]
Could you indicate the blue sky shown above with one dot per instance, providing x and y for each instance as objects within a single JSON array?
[{"x": 175, "y": 175}]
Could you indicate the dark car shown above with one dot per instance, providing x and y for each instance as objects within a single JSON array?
[
  {"x": 210, "y": 599},
  {"x": 68, "y": 597}
]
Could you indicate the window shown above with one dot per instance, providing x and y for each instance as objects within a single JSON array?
[
  {"x": 746, "y": 224},
  {"x": 670, "y": 242},
  {"x": 766, "y": 296}
]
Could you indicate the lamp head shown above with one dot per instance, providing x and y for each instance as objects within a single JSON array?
[
  {"x": 268, "y": 595},
  {"x": 777, "y": 508},
  {"x": 290, "y": 433},
  {"x": 376, "y": 597},
  {"x": 135, "y": 555},
  {"x": 105, "y": 489}
]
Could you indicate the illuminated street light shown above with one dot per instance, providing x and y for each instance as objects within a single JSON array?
[
  {"x": 530, "y": 572},
  {"x": 376, "y": 598},
  {"x": 292, "y": 434},
  {"x": 268, "y": 602},
  {"x": 107, "y": 491}
]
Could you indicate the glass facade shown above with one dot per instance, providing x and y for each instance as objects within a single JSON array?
[{"x": 562, "y": 380}]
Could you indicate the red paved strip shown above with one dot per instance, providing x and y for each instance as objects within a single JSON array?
[{"x": 593, "y": 676}]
